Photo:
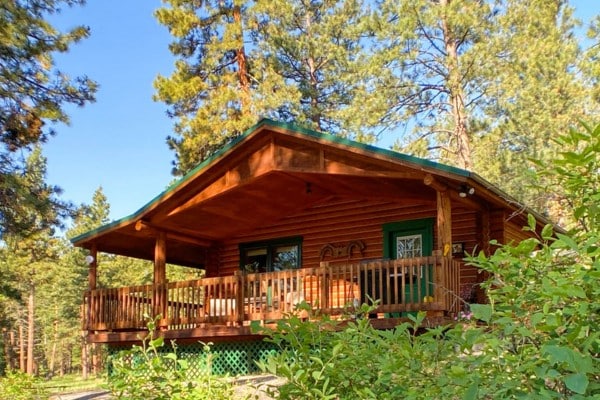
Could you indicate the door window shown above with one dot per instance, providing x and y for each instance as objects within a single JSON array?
[{"x": 409, "y": 246}]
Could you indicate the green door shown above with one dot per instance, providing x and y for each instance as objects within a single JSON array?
[{"x": 410, "y": 239}]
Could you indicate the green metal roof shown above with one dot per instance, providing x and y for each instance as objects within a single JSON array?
[{"x": 265, "y": 122}]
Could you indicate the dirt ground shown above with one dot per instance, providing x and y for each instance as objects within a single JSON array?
[{"x": 252, "y": 387}]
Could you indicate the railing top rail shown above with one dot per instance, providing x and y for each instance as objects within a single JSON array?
[{"x": 291, "y": 273}]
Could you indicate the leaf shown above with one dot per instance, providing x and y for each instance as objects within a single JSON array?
[
  {"x": 578, "y": 383},
  {"x": 472, "y": 391},
  {"x": 482, "y": 312},
  {"x": 568, "y": 241},
  {"x": 531, "y": 223},
  {"x": 547, "y": 232}
]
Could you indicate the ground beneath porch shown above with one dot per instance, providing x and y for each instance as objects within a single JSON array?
[{"x": 251, "y": 386}]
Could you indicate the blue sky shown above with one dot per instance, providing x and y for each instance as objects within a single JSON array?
[{"x": 119, "y": 141}]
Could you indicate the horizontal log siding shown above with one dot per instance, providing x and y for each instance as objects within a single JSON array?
[
  {"x": 343, "y": 221},
  {"x": 336, "y": 222},
  {"x": 465, "y": 229},
  {"x": 514, "y": 232}
]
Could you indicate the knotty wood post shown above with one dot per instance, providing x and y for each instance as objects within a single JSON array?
[
  {"x": 444, "y": 232},
  {"x": 444, "y": 227},
  {"x": 160, "y": 278},
  {"x": 240, "y": 284}
]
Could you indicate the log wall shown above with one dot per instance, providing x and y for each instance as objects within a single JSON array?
[{"x": 344, "y": 220}]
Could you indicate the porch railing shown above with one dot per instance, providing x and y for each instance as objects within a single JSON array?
[{"x": 398, "y": 286}]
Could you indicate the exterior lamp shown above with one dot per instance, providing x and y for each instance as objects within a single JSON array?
[{"x": 465, "y": 191}]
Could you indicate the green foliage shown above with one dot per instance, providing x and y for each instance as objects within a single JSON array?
[
  {"x": 538, "y": 337},
  {"x": 20, "y": 386},
  {"x": 211, "y": 90},
  {"x": 459, "y": 81},
  {"x": 147, "y": 373},
  {"x": 317, "y": 48},
  {"x": 240, "y": 60},
  {"x": 33, "y": 92},
  {"x": 575, "y": 170}
]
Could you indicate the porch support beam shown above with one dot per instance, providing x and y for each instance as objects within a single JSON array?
[
  {"x": 160, "y": 259},
  {"x": 444, "y": 234},
  {"x": 93, "y": 267},
  {"x": 444, "y": 223},
  {"x": 444, "y": 214},
  {"x": 160, "y": 275},
  {"x": 438, "y": 186},
  {"x": 178, "y": 236}
]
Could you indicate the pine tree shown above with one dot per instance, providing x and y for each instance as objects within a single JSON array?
[
  {"x": 433, "y": 53},
  {"x": 590, "y": 64},
  {"x": 317, "y": 47},
  {"x": 30, "y": 258},
  {"x": 33, "y": 92},
  {"x": 211, "y": 93},
  {"x": 486, "y": 85},
  {"x": 535, "y": 92},
  {"x": 304, "y": 63}
]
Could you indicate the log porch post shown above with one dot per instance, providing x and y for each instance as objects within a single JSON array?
[
  {"x": 444, "y": 234},
  {"x": 160, "y": 276}
]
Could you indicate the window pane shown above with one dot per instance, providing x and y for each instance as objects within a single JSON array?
[
  {"x": 256, "y": 260},
  {"x": 409, "y": 246},
  {"x": 285, "y": 257}
]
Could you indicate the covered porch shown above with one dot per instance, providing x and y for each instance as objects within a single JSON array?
[
  {"x": 230, "y": 305},
  {"x": 342, "y": 209}
]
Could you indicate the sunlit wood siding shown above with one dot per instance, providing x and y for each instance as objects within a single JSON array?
[{"x": 340, "y": 221}]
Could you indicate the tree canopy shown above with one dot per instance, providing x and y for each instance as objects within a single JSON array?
[
  {"x": 483, "y": 85},
  {"x": 33, "y": 93}
]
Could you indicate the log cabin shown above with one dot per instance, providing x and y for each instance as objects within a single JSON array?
[{"x": 284, "y": 215}]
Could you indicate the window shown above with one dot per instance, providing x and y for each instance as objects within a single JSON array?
[
  {"x": 273, "y": 255},
  {"x": 409, "y": 246}
]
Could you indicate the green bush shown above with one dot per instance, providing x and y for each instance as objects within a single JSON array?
[
  {"x": 537, "y": 338},
  {"x": 147, "y": 373},
  {"x": 17, "y": 385}
]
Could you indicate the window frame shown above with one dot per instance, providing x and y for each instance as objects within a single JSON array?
[{"x": 270, "y": 246}]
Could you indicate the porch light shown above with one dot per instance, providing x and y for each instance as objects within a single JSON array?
[
  {"x": 89, "y": 259},
  {"x": 466, "y": 190}
]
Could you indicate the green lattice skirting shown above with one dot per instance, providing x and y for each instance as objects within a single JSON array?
[{"x": 230, "y": 358}]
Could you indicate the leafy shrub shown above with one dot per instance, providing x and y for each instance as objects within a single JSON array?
[
  {"x": 17, "y": 385},
  {"x": 539, "y": 336},
  {"x": 146, "y": 373}
]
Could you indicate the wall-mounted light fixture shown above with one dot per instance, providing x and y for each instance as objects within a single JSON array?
[
  {"x": 465, "y": 191},
  {"x": 89, "y": 259}
]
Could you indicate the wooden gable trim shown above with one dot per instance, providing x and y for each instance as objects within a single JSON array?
[{"x": 277, "y": 156}]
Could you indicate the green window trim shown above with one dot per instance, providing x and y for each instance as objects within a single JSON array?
[
  {"x": 261, "y": 256},
  {"x": 424, "y": 224}
]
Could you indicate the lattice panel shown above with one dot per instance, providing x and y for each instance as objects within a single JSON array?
[{"x": 229, "y": 358}]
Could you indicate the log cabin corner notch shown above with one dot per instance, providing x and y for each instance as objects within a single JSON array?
[{"x": 278, "y": 196}]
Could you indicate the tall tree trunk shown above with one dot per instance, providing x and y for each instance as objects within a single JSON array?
[
  {"x": 21, "y": 344},
  {"x": 457, "y": 95},
  {"x": 8, "y": 340},
  {"x": 241, "y": 62},
  {"x": 53, "y": 352},
  {"x": 30, "y": 327},
  {"x": 95, "y": 361},
  {"x": 313, "y": 81},
  {"x": 84, "y": 356}
]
